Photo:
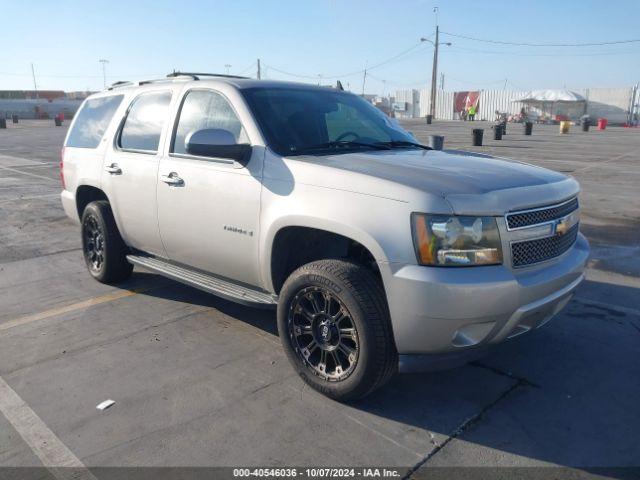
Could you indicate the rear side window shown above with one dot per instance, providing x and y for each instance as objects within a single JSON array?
[
  {"x": 144, "y": 123},
  {"x": 92, "y": 120}
]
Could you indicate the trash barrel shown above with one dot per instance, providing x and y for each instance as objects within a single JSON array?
[
  {"x": 429, "y": 119},
  {"x": 528, "y": 128},
  {"x": 3, "y": 123},
  {"x": 564, "y": 126},
  {"x": 585, "y": 126},
  {"x": 57, "y": 121},
  {"x": 497, "y": 131},
  {"x": 436, "y": 142},
  {"x": 477, "y": 137},
  {"x": 14, "y": 118},
  {"x": 602, "y": 123}
]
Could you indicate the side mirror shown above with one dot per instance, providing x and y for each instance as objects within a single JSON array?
[{"x": 217, "y": 143}]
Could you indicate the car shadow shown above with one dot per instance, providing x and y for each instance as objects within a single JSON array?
[{"x": 518, "y": 396}]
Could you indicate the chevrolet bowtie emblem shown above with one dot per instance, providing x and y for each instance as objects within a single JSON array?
[{"x": 563, "y": 225}]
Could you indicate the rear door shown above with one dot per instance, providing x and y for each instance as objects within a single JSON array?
[
  {"x": 210, "y": 219},
  {"x": 130, "y": 170}
]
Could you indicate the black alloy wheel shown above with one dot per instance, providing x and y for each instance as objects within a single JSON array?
[
  {"x": 93, "y": 242},
  {"x": 323, "y": 333}
]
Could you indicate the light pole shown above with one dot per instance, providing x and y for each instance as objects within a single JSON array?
[
  {"x": 434, "y": 72},
  {"x": 104, "y": 62},
  {"x": 35, "y": 85}
]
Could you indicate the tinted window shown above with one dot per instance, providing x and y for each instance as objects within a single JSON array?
[
  {"x": 145, "y": 121},
  {"x": 92, "y": 120},
  {"x": 297, "y": 120},
  {"x": 206, "y": 109}
]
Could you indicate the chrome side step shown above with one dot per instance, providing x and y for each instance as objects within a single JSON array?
[{"x": 208, "y": 283}]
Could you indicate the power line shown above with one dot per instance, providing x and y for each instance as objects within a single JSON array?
[
  {"x": 522, "y": 44},
  {"x": 394, "y": 58},
  {"x": 245, "y": 70},
  {"x": 14, "y": 74},
  {"x": 549, "y": 54}
]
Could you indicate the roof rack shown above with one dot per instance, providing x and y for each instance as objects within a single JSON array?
[
  {"x": 172, "y": 76},
  {"x": 119, "y": 84},
  {"x": 196, "y": 76}
]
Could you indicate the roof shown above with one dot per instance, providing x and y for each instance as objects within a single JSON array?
[
  {"x": 550, "y": 96},
  {"x": 238, "y": 82}
]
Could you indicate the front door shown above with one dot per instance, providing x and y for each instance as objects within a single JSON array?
[
  {"x": 130, "y": 171},
  {"x": 209, "y": 208}
]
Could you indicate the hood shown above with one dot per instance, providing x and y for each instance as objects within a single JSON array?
[{"x": 470, "y": 182}]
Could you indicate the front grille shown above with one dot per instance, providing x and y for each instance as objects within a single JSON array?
[
  {"x": 541, "y": 215},
  {"x": 536, "y": 251}
]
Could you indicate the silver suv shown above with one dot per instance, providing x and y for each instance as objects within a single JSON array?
[{"x": 379, "y": 253}]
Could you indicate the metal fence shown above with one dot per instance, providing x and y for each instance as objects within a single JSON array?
[
  {"x": 38, "y": 108},
  {"x": 617, "y": 105}
]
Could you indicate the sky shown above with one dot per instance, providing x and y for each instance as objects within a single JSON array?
[{"x": 321, "y": 41}]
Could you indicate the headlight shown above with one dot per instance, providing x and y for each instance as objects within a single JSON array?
[{"x": 456, "y": 241}]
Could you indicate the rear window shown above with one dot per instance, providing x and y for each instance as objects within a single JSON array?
[
  {"x": 144, "y": 123},
  {"x": 92, "y": 120}
]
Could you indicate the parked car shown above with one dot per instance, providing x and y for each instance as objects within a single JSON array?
[{"x": 379, "y": 253}]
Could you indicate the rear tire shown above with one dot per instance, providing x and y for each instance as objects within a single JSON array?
[
  {"x": 334, "y": 325},
  {"x": 105, "y": 253}
]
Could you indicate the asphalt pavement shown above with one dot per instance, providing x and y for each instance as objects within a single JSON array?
[{"x": 199, "y": 381}]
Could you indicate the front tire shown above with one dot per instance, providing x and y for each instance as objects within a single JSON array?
[
  {"x": 105, "y": 253},
  {"x": 334, "y": 325}
]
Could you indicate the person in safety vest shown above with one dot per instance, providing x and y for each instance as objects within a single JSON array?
[{"x": 472, "y": 112}]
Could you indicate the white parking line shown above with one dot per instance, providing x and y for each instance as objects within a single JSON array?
[
  {"x": 53, "y": 454},
  {"x": 32, "y": 197},
  {"x": 22, "y": 162},
  {"x": 29, "y": 174}
]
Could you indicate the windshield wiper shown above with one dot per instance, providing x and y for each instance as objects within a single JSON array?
[
  {"x": 403, "y": 143},
  {"x": 343, "y": 143}
]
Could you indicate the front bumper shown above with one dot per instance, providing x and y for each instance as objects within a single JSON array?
[{"x": 454, "y": 310}]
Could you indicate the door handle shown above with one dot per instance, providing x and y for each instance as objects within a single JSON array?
[
  {"x": 172, "y": 179},
  {"x": 113, "y": 169}
]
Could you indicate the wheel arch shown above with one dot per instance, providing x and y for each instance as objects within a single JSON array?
[
  {"x": 290, "y": 244},
  {"x": 85, "y": 194}
]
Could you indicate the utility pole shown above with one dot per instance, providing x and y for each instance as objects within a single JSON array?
[
  {"x": 434, "y": 75},
  {"x": 364, "y": 81},
  {"x": 434, "y": 72},
  {"x": 35, "y": 86},
  {"x": 259, "y": 74},
  {"x": 104, "y": 71}
]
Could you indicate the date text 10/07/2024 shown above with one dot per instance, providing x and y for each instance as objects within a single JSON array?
[{"x": 317, "y": 472}]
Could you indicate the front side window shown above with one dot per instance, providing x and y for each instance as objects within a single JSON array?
[
  {"x": 299, "y": 121},
  {"x": 205, "y": 109},
  {"x": 144, "y": 123},
  {"x": 92, "y": 121}
]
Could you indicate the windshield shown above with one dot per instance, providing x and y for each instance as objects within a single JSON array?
[{"x": 298, "y": 121}]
